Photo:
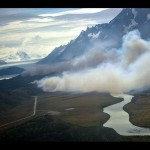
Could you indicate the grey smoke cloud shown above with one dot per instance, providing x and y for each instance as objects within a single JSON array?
[
  {"x": 45, "y": 69},
  {"x": 101, "y": 70},
  {"x": 98, "y": 54}
]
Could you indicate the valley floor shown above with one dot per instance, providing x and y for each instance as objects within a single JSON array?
[{"x": 83, "y": 112}]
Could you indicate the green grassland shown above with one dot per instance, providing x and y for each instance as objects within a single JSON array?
[
  {"x": 139, "y": 110},
  {"x": 83, "y": 123},
  {"x": 17, "y": 112},
  {"x": 87, "y": 108},
  {"x": 47, "y": 128},
  {"x": 54, "y": 122}
]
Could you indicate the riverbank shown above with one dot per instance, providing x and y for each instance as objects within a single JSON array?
[
  {"x": 139, "y": 110},
  {"x": 119, "y": 119}
]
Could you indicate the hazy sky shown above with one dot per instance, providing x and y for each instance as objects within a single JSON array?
[{"x": 40, "y": 30}]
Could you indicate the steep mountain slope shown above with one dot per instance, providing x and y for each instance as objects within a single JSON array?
[
  {"x": 76, "y": 47},
  {"x": 127, "y": 20}
]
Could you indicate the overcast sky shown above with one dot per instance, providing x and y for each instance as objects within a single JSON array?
[{"x": 40, "y": 30}]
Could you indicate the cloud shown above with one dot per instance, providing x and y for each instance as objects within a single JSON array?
[
  {"x": 78, "y": 11},
  {"x": 19, "y": 26},
  {"x": 40, "y": 20},
  {"x": 123, "y": 70}
]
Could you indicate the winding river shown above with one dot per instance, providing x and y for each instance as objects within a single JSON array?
[{"x": 119, "y": 119}]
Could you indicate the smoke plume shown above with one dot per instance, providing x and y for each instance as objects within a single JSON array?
[{"x": 102, "y": 70}]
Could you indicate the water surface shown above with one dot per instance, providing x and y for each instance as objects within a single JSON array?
[{"x": 119, "y": 119}]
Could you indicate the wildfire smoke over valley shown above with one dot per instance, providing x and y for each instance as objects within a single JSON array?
[{"x": 105, "y": 70}]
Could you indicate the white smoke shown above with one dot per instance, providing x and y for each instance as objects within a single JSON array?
[{"x": 101, "y": 70}]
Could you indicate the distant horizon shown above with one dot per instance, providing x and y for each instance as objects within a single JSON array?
[{"x": 37, "y": 31}]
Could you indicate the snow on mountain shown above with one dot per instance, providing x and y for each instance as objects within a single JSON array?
[
  {"x": 14, "y": 56},
  {"x": 134, "y": 12},
  {"x": 23, "y": 56},
  {"x": 17, "y": 56},
  {"x": 148, "y": 16}
]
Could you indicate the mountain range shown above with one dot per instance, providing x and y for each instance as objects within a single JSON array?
[
  {"x": 12, "y": 57},
  {"x": 18, "y": 56},
  {"x": 127, "y": 20}
]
